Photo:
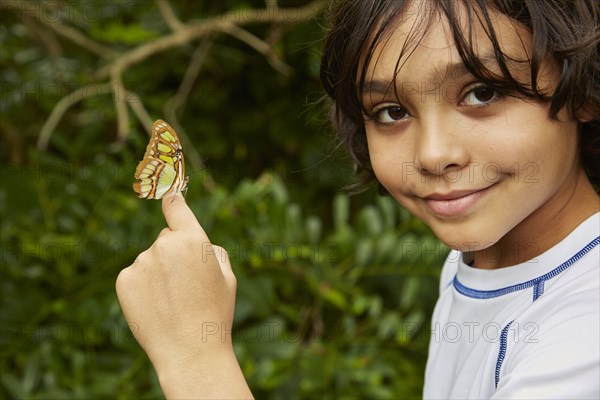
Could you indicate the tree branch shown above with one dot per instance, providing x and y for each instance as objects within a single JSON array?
[
  {"x": 169, "y": 15},
  {"x": 139, "y": 110},
  {"x": 218, "y": 23},
  {"x": 271, "y": 4},
  {"x": 120, "y": 105},
  {"x": 183, "y": 33},
  {"x": 62, "y": 106},
  {"x": 259, "y": 45},
  {"x": 185, "y": 87},
  {"x": 28, "y": 9},
  {"x": 191, "y": 73}
]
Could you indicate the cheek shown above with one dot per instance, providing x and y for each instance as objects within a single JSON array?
[
  {"x": 389, "y": 160},
  {"x": 548, "y": 155}
]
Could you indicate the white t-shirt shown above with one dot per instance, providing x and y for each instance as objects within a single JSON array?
[{"x": 527, "y": 331}]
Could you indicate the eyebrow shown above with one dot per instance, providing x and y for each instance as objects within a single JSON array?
[{"x": 449, "y": 72}]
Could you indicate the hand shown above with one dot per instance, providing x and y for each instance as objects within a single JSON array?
[{"x": 179, "y": 298}]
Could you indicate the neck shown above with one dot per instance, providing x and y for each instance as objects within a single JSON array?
[{"x": 544, "y": 228}]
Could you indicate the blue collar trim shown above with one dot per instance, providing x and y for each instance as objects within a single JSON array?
[{"x": 537, "y": 282}]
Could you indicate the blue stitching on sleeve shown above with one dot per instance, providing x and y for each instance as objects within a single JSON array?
[
  {"x": 502, "y": 351},
  {"x": 538, "y": 289}
]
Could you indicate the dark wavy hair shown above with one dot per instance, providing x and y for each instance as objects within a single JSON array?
[{"x": 566, "y": 31}]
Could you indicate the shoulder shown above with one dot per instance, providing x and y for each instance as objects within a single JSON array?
[{"x": 552, "y": 349}]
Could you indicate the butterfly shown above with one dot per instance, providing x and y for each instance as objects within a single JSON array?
[{"x": 162, "y": 169}]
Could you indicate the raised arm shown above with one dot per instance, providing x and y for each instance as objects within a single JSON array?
[{"x": 179, "y": 298}]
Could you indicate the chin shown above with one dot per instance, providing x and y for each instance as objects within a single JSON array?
[{"x": 465, "y": 241}]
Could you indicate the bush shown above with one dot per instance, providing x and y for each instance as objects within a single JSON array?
[{"x": 334, "y": 293}]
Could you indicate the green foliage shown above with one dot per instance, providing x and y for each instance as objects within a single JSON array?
[
  {"x": 123, "y": 34},
  {"x": 334, "y": 292},
  {"x": 338, "y": 310}
]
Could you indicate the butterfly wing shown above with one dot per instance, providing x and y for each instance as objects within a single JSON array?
[{"x": 162, "y": 170}]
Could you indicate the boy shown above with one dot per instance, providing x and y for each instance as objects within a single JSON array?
[{"x": 481, "y": 118}]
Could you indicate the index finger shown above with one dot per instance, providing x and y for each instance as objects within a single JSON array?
[{"x": 178, "y": 215}]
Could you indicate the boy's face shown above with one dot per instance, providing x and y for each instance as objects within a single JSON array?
[{"x": 470, "y": 162}]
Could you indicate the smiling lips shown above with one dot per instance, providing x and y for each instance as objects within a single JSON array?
[{"x": 455, "y": 203}]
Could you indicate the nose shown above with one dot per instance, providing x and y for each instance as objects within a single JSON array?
[{"x": 440, "y": 147}]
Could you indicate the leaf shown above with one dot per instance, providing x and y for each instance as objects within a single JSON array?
[
  {"x": 333, "y": 296},
  {"x": 341, "y": 207},
  {"x": 365, "y": 251},
  {"x": 389, "y": 211},
  {"x": 12, "y": 386},
  {"x": 371, "y": 220},
  {"x": 126, "y": 34},
  {"x": 313, "y": 228}
]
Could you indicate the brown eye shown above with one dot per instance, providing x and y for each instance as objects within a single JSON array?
[
  {"x": 480, "y": 96},
  {"x": 484, "y": 94},
  {"x": 389, "y": 113},
  {"x": 396, "y": 113}
]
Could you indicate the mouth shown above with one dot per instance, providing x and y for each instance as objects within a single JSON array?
[{"x": 455, "y": 203}]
